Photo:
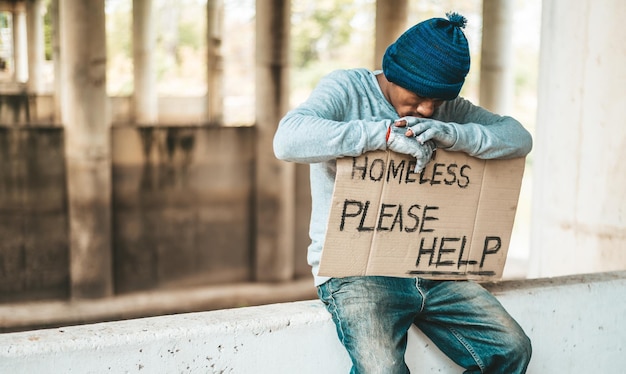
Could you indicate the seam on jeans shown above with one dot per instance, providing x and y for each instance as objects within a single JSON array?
[
  {"x": 469, "y": 348},
  {"x": 339, "y": 322},
  {"x": 417, "y": 285}
]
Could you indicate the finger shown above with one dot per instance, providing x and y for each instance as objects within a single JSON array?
[
  {"x": 420, "y": 164},
  {"x": 420, "y": 127},
  {"x": 424, "y": 157},
  {"x": 400, "y": 122},
  {"x": 415, "y": 130},
  {"x": 426, "y": 135},
  {"x": 433, "y": 147}
]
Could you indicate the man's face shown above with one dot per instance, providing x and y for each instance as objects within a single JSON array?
[{"x": 408, "y": 103}]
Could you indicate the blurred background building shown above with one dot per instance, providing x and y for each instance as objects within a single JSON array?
[{"x": 135, "y": 141}]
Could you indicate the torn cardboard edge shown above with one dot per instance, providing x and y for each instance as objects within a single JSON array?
[{"x": 452, "y": 221}]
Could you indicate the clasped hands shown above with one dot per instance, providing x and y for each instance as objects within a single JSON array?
[{"x": 419, "y": 137}]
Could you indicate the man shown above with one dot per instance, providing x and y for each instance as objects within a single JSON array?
[{"x": 411, "y": 107}]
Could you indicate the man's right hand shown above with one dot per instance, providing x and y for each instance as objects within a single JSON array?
[{"x": 398, "y": 141}]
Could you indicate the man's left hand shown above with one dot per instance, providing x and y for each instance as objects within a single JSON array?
[{"x": 424, "y": 129}]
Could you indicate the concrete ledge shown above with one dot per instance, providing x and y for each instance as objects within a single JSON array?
[
  {"x": 576, "y": 324},
  {"x": 47, "y": 314}
]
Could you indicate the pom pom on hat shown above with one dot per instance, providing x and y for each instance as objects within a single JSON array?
[{"x": 430, "y": 59}]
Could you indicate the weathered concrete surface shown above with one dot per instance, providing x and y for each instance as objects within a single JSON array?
[
  {"x": 215, "y": 62},
  {"x": 181, "y": 209},
  {"x": 88, "y": 147},
  {"x": 145, "y": 94},
  {"x": 576, "y": 325},
  {"x": 34, "y": 257},
  {"x": 391, "y": 22},
  {"x": 15, "y": 108},
  {"x": 497, "y": 80},
  {"x": 578, "y": 221},
  {"x": 274, "y": 180},
  {"x": 182, "y": 206},
  {"x": 48, "y": 314}
]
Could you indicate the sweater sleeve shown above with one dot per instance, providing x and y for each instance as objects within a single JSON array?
[
  {"x": 486, "y": 135},
  {"x": 328, "y": 125}
]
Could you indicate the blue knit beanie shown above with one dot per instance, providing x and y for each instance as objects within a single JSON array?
[{"x": 430, "y": 59}]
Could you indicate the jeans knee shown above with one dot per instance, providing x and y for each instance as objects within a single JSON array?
[
  {"x": 511, "y": 356},
  {"x": 524, "y": 349},
  {"x": 517, "y": 354}
]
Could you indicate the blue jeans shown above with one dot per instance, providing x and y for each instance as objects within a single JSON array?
[{"x": 374, "y": 314}]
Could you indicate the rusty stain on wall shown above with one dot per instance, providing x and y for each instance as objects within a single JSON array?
[{"x": 181, "y": 207}]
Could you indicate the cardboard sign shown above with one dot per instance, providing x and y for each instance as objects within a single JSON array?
[{"x": 452, "y": 221}]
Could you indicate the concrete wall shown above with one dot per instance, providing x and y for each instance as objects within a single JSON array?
[
  {"x": 183, "y": 204},
  {"x": 182, "y": 208},
  {"x": 19, "y": 108},
  {"x": 579, "y": 200},
  {"x": 576, "y": 324},
  {"x": 34, "y": 261},
  {"x": 172, "y": 110}
]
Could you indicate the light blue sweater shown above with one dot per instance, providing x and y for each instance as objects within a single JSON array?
[{"x": 347, "y": 115}]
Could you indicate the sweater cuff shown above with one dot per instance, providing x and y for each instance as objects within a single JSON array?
[
  {"x": 377, "y": 135},
  {"x": 468, "y": 138}
]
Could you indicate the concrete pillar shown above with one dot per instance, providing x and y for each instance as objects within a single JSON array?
[
  {"x": 215, "y": 69},
  {"x": 35, "y": 35},
  {"x": 496, "y": 61},
  {"x": 20, "y": 54},
  {"x": 87, "y": 146},
  {"x": 579, "y": 192},
  {"x": 275, "y": 180},
  {"x": 56, "y": 58},
  {"x": 391, "y": 18},
  {"x": 145, "y": 95}
]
